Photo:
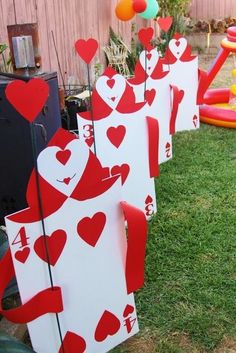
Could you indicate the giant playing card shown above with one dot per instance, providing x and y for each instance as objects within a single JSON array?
[
  {"x": 123, "y": 137},
  {"x": 82, "y": 239},
  {"x": 184, "y": 74},
  {"x": 150, "y": 77}
]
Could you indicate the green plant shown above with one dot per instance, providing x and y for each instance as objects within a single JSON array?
[
  {"x": 5, "y": 62},
  {"x": 9, "y": 344},
  {"x": 133, "y": 50},
  {"x": 178, "y": 10}
]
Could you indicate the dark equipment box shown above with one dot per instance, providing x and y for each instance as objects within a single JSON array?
[{"x": 16, "y": 156}]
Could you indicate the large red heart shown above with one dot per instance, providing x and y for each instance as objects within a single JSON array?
[
  {"x": 28, "y": 98},
  {"x": 22, "y": 255},
  {"x": 123, "y": 170},
  {"x": 73, "y": 343},
  {"x": 49, "y": 248},
  {"x": 86, "y": 49},
  {"x": 108, "y": 325},
  {"x": 63, "y": 156},
  {"x": 90, "y": 229},
  {"x": 116, "y": 135},
  {"x": 150, "y": 95},
  {"x": 145, "y": 36},
  {"x": 165, "y": 23}
]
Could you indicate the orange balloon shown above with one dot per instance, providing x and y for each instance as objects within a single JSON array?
[{"x": 124, "y": 10}]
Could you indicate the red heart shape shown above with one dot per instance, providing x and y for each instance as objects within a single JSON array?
[
  {"x": 165, "y": 23},
  {"x": 129, "y": 309},
  {"x": 28, "y": 98},
  {"x": 86, "y": 49},
  {"x": 148, "y": 200},
  {"x": 22, "y": 255},
  {"x": 123, "y": 170},
  {"x": 67, "y": 180},
  {"x": 150, "y": 95},
  {"x": 116, "y": 135},
  {"x": 90, "y": 141},
  {"x": 73, "y": 343},
  {"x": 108, "y": 325},
  {"x": 63, "y": 156},
  {"x": 145, "y": 36},
  {"x": 90, "y": 229},
  {"x": 149, "y": 56},
  {"x": 54, "y": 243},
  {"x": 111, "y": 82},
  {"x": 168, "y": 145}
]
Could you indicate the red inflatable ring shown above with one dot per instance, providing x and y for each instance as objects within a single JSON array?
[{"x": 216, "y": 110}]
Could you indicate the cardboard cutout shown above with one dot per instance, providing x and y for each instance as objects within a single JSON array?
[
  {"x": 183, "y": 67},
  {"x": 94, "y": 269},
  {"x": 117, "y": 129}
]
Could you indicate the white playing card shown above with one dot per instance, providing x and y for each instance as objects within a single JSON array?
[
  {"x": 184, "y": 74},
  {"x": 122, "y": 140},
  {"x": 87, "y": 263}
]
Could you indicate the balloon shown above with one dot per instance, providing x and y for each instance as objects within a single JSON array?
[
  {"x": 233, "y": 72},
  {"x": 233, "y": 89},
  {"x": 124, "y": 10},
  {"x": 139, "y": 5},
  {"x": 151, "y": 10}
]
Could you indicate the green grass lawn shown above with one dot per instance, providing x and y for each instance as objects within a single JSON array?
[{"x": 188, "y": 303}]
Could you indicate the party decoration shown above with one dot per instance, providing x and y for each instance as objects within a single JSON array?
[
  {"x": 218, "y": 105},
  {"x": 28, "y": 98},
  {"x": 121, "y": 132},
  {"x": 86, "y": 49},
  {"x": 139, "y": 5},
  {"x": 151, "y": 10},
  {"x": 124, "y": 10},
  {"x": 179, "y": 59},
  {"x": 94, "y": 274},
  {"x": 165, "y": 23}
]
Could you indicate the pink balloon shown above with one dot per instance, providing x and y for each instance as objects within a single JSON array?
[{"x": 139, "y": 5}]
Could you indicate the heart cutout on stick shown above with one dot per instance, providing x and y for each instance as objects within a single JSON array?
[
  {"x": 145, "y": 36},
  {"x": 165, "y": 23},
  {"x": 90, "y": 229},
  {"x": 54, "y": 244},
  {"x": 28, "y": 98},
  {"x": 86, "y": 49}
]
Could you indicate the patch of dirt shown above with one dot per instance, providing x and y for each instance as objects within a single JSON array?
[{"x": 227, "y": 346}]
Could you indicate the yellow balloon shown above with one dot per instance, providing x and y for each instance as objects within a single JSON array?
[
  {"x": 124, "y": 10},
  {"x": 233, "y": 89},
  {"x": 233, "y": 72}
]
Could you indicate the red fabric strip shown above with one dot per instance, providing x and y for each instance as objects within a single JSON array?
[
  {"x": 202, "y": 82},
  {"x": 175, "y": 108},
  {"x": 137, "y": 239},
  {"x": 46, "y": 301},
  {"x": 153, "y": 146}
]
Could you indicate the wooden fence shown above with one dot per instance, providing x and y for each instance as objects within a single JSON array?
[
  {"x": 69, "y": 20},
  {"x": 213, "y": 9}
]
